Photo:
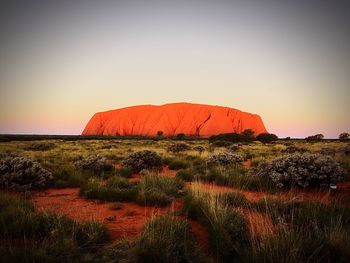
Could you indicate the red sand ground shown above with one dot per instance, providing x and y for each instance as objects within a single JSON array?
[
  {"x": 129, "y": 219},
  {"x": 172, "y": 119}
]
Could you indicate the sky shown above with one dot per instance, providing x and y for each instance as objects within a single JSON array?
[{"x": 62, "y": 61}]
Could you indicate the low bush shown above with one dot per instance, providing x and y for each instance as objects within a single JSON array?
[
  {"x": 224, "y": 159},
  {"x": 313, "y": 138},
  {"x": 179, "y": 147},
  {"x": 245, "y": 136},
  {"x": 233, "y": 147},
  {"x": 22, "y": 174},
  {"x": 167, "y": 239},
  {"x": 267, "y": 137},
  {"x": 158, "y": 190},
  {"x": 304, "y": 170},
  {"x": 294, "y": 149},
  {"x": 39, "y": 146},
  {"x": 146, "y": 159},
  {"x": 221, "y": 143},
  {"x": 328, "y": 151},
  {"x": 96, "y": 164},
  {"x": 200, "y": 149}
]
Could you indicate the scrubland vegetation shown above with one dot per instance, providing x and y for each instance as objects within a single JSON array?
[{"x": 245, "y": 196}]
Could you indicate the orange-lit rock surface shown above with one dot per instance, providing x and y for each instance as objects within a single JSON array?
[{"x": 172, "y": 119}]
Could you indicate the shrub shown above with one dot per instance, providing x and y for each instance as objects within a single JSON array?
[
  {"x": 304, "y": 170},
  {"x": 247, "y": 135},
  {"x": 160, "y": 133},
  {"x": 94, "y": 163},
  {"x": 179, "y": 147},
  {"x": 328, "y": 151},
  {"x": 185, "y": 175},
  {"x": 294, "y": 149},
  {"x": 146, "y": 159},
  {"x": 345, "y": 150},
  {"x": 158, "y": 190},
  {"x": 177, "y": 164},
  {"x": 316, "y": 137},
  {"x": 344, "y": 136},
  {"x": 40, "y": 146},
  {"x": 181, "y": 136},
  {"x": 233, "y": 148},
  {"x": 266, "y": 137},
  {"x": 167, "y": 239},
  {"x": 230, "y": 137},
  {"x": 225, "y": 158},
  {"x": 22, "y": 174},
  {"x": 228, "y": 232},
  {"x": 200, "y": 149},
  {"x": 116, "y": 189},
  {"x": 221, "y": 143}
]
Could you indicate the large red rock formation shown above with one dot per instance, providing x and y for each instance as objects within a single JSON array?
[{"x": 172, "y": 119}]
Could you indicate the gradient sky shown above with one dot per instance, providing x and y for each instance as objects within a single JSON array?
[{"x": 62, "y": 61}]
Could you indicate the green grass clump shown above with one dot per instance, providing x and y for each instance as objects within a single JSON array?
[
  {"x": 227, "y": 229},
  {"x": 68, "y": 176},
  {"x": 125, "y": 172},
  {"x": 167, "y": 239},
  {"x": 234, "y": 199},
  {"x": 158, "y": 190},
  {"x": 177, "y": 164},
  {"x": 116, "y": 189},
  {"x": 30, "y": 236},
  {"x": 309, "y": 231},
  {"x": 185, "y": 175}
]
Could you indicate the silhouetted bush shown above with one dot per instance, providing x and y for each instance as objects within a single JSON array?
[
  {"x": 266, "y": 137},
  {"x": 317, "y": 137},
  {"x": 344, "y": 136},
  {"x": 221, "y": 143}
]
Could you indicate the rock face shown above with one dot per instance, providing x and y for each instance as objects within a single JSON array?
[{"x": 172, "y": 119}]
